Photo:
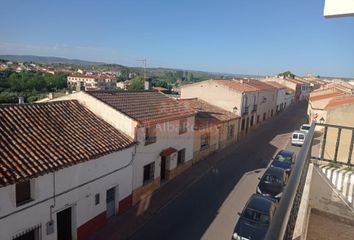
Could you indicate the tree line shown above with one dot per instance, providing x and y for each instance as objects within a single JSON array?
[{"x": 30, "y": 85}]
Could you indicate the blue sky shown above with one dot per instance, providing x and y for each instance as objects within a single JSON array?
[{"x": 230, "y": 36}]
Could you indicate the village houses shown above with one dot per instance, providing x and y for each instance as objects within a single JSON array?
[
  {"x": 252, "y": 100},
  {"x": 63, "y": 171},
  {"x": 214, "y": 129},
  {"x": 161, "y": 126}
]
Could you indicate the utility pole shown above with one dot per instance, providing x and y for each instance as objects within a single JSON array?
[{"x": 144, "y": 62}]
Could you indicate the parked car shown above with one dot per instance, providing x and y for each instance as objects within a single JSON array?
[
  {"x": 284, "y": 159},
  {"x": 298, "y": 138},
  {"x": 305, "y": 128},
  {"x": 273, "y": 182},
  {"x": 255, "y": 218}
]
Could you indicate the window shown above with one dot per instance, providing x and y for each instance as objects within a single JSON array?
[
  {"x": 181, "y": 156},
  {"x": 149, "y": 172},
  {"x": 252, "y": 119},
  {"x": 204, "y": 141},
  {"x": 264, "y": 116},
  {"x": 258, "y": 117},
  {"x": 230, "y": 131},
  {"x": 29, "y": 234},
  {"x": 23, "y": 193},
  {"x": 97, "y": 199},
  {"x": 182, "y": 126},
  {"x": 271, "y": 113},
  {"x": 150, "y": 135},
  {"x": 243, "y": 124}
]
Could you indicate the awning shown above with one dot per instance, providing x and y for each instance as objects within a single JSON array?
[{"x": 167, "y": 152}]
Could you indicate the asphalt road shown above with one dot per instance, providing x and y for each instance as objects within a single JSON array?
[{"x": 208, "y": 208}]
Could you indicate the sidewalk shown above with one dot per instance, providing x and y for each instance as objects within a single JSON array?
[{"x": 125, "y": 225}]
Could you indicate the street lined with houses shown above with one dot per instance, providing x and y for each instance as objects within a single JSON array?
[{"x": 208, "y": 209}]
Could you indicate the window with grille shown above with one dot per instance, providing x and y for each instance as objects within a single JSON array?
[
  {"x": 182, "y": 126},
  {"x": 150, "y": 135},
  {"x": 204, "y": 141}
]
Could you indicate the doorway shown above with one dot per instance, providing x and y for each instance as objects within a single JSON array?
[
  {"x": 64, "y": 224},
  {"x": 111, "y": 202},
  {"x": 163, "y": 169}
]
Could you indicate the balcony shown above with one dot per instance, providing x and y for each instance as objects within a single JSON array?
[
  {"x": 318, "y": 200},
  {"x": 254, "y": 108},
  {"x": 245, "y": 111}
]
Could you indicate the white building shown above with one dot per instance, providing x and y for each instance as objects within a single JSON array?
[
  {"x": 63, "y": 171},
  {"x": 162, "y": 126},
  {"x": 252, "y": 100},
  {"x": 90, "y": 82}
]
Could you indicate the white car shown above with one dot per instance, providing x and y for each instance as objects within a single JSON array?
[
  {"x": 305, "y": 127},
  {"x": 298, "y": 138}
]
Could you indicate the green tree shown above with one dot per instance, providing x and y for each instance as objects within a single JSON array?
[
  {"x": 137, "y": 83},
  {"x": 287, "y": 74}
]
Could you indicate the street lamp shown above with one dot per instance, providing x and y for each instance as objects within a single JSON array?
[
  {"x": 234, "y": 110},
  {"x": 322, "y": 120}
]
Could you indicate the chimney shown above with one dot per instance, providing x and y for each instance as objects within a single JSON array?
[
  {"x": 50, "y": 96},
  {"x": 241, "y": 81},
  {"x": 147, "y": 84},
  {"x": 21, "y": 100}
]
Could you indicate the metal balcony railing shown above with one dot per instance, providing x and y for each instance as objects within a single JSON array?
[
  {"x": 283, "y": 222},
  {"x": 284, "y": 219}
]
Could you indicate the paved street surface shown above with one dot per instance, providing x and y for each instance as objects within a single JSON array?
[{"x": 207, "y": 208}]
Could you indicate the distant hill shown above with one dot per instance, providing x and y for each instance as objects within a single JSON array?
[{"x": 47, "y": 60}]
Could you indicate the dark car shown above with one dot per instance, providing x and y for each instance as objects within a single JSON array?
[
  {"x": 284, "y": 159},
  {"x": 273, "y": 182},
  {"x": 255, "y": 218}
]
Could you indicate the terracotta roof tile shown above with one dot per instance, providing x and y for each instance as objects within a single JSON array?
[
  {"x": 238, "y": 85},
  {"x": 44, "y": 137},
  {"x": 207, "y": 114},
  {"x": 340, "y": 101},
  {"x": 144, "y": 106},
  {"x": 324, "y": 96},
  {"x": 276, "y": 85}
]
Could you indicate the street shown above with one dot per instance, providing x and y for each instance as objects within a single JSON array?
[{"x": 208, "y": 208}]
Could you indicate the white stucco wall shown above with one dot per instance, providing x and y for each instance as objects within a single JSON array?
[
  {"x": 81, "y": 198},
  {"x": 167, "y": 136},
  {"x": 214, "y": 93},
  {"x": 337, "y": 8}
]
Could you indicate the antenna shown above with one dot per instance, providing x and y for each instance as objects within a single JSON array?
[{"x": 144, "y": 62}]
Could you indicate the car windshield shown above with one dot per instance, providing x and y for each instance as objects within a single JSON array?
[
  {"x": 301, "y": 136},
  {"x": 271, "y": 179},
  {"x": 256, "y": 216},
  {"x": 305, "y": 127},
  {"x": 295, "y": 135},
  {"x": 282, "y": 158}
]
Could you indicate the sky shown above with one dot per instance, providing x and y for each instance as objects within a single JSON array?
[{"x": 227, "y": 36}]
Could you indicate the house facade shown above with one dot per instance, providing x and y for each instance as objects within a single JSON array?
[
  {"x": 214, "y": 129},
  {"x": 63, "y": 171},
  {"x": 250, "y": 99},
  {"x": 161, "y": 126}
]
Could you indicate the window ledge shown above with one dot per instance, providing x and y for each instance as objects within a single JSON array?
[{"x": 24, "y": 202}]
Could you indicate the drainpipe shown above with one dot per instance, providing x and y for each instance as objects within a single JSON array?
[{"x": 54, "y": 200}]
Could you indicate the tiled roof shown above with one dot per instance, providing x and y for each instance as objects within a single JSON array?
[
  {"x": 146, "y": 107},
  {"x": 324, "y": 96},
  {"x": 262, "y": 86},
  {"x": 40, "y": 138},
  {"x": 276, "y": 85},
  {"x": 238, "y": 85},
  {"x": 340, "y": 101},
  {"x": 207, "y": 114}
]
